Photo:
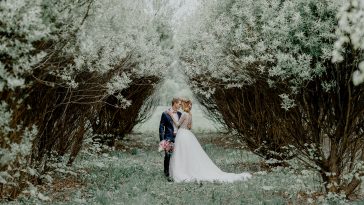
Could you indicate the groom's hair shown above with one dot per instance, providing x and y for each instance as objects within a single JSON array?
[{"x": 175, "y": 100}]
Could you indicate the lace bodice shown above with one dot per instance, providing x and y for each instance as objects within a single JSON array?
[{"x": 184, "y": 121}]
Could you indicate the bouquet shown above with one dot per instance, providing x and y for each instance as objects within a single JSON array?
[{"x": 166, "y": 145}]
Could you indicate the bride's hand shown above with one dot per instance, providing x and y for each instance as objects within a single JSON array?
[{"x": 170, "y": 113}]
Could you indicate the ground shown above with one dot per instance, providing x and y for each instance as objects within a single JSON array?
[{"x": 132, "y": 174}]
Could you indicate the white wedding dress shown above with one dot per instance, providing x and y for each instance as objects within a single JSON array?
[{"x": 189, "y": 162}]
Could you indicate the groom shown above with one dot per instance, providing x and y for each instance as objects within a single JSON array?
[{"x": 168, "y": 130}]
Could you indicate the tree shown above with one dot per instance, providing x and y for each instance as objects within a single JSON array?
[
  {"x": 266, "y": 68},
  {"x": 66, "y": 65}
]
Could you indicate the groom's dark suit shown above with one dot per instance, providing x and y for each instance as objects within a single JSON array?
[{"x": 166, "y": 131}]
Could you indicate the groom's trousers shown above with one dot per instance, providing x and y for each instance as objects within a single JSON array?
[{"x": 167, "y": 158}]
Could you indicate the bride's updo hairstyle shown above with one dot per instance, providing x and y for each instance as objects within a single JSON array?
[{"x": 185, "y": 105}]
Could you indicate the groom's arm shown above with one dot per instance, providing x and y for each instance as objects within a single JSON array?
[{"x": 161, "y": 128}]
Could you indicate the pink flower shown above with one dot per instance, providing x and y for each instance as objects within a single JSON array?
[{"x": 166, "y": 145}]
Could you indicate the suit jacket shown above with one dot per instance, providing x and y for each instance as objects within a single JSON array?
[{"x": 166, "y": 127}]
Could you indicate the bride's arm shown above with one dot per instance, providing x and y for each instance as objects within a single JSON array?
[
  {"x": 189, "y": 126},
  {"x": 180, "y": 121}
]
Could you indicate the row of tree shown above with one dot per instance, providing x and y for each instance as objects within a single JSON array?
[
  {"x": 68, "y": 68},
  {"x": 278, "y": 72},
  {"x": 267, "y": 70}
]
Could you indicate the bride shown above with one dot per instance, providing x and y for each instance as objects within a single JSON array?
[{"x": 189, "y": 161}]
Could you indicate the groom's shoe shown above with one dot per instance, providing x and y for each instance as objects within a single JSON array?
[
  {"x": 169, "y": 179},
  {"x": 166, "y": 174}
]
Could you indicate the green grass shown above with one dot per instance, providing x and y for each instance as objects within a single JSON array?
[{"x": 136, "y": 177}]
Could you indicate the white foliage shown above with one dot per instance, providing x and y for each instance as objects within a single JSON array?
[
  {"x": 18, "y": 152},
  {"x": 43, "y": 197},
  {"x": 287, "y": 103},
  {"x": 125, "y": 33},
  {"x": 358, "y": 75},
  {"x": 290, "y": 41},
  {"x": 22, "y": 21},
  {"x": 117, "y": 83},
  {"x": 351, "y": 30}
]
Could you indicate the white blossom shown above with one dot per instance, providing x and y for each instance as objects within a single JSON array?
[
  {"x": 351, "y": 30},
  {"x": 287, "y": 103},
  {"x": 223, "y": 39}
]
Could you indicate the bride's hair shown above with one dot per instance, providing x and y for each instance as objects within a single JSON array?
[{"x": 185, "y": 105}]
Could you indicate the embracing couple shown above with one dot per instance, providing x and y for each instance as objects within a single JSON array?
[{"x": 188, "y": 161}]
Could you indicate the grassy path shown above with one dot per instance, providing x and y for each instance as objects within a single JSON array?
[{"x": 134, "y": 176}]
